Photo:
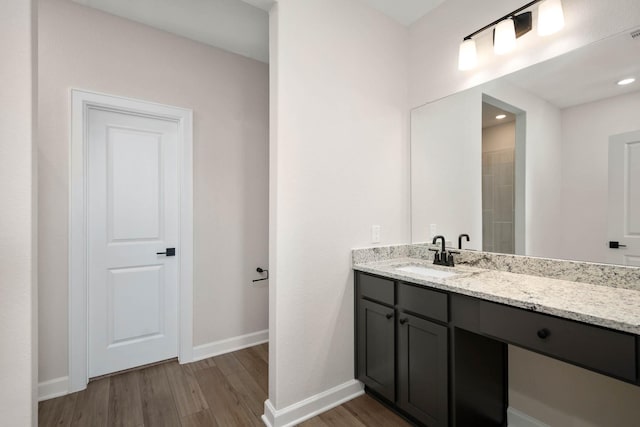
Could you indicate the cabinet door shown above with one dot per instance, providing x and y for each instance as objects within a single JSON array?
[
  {"x": 376, "y": 343},
  {"x": 423, "y": 370}
]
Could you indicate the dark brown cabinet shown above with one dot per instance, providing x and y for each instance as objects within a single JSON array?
[
  {"x": 376, "y": 342},
  {"x": 614, "y": 353},
  {"x": 422, "y": 369},
  {"x": 401, "y": 355},
  {"x": 440, "y": 358}
]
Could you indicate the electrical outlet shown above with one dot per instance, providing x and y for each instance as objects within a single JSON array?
[
  {"x": 375, "y": 234},
  {"x": 433, "y": 230}
]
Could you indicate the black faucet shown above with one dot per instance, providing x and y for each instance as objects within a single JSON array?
[
  {"x": 435, "y": 239},
  {"x": 442, "y": 257},
  {"x": 460, "y": 239}
]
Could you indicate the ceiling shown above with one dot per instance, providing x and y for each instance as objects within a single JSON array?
[
  {"x": 239, "y": 26},
  {"x": 598, "y": 67},
  {"x": 489, "y": 113},
  {"x": 405, "y": 12},
  {"x": 233, "y": 25}
]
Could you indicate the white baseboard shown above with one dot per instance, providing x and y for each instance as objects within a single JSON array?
[
  {"x": 516, "y": 418},
  {"x": 53, "y": 388},
  {"x": 314, "y": 405},
  {"x": 230, "y": 344}
]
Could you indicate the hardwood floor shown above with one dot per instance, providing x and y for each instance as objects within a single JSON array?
[
  {"x": 361, "y": 411},
  {"x": 227, "y": 390}
]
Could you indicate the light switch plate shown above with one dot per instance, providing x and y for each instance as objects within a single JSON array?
[{"x": 375, "y": 234}]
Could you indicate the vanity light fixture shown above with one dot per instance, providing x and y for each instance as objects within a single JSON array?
[
  {"x": 627, "y": 81},
  {"x": 501, "y": 116},
  {"x": 550, "y": 17},
  {"x": 511, "y": 26},
  {"x": 468, "y": 56},
  {"x": 504, "y": 36}
]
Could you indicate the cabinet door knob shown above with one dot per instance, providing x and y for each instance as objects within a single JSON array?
[
  {"x": 403, "y": 320},
  {"x": 389, "y": 315},
  {"x": 544, "y": 333}
]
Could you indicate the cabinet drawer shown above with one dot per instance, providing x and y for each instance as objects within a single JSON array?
[
  {"x": 423, "y": 301},
  {"x": 599, "y": 349},
  {"x": 376, "y": 288}
]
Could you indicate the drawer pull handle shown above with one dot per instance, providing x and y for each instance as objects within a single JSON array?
[
  {"x": 389, "y": 315},
  {"x": 544, "y": 333},
  {"x": 403, "y": 320}
]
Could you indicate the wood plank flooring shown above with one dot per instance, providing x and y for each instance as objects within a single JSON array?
[
  {"x": 361, "y": 411},
  {"x": 226, "y": 390}
]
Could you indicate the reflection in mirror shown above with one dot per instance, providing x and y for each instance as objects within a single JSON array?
[
  {"x": 576, "y": 160},
  {"x": 498, "y": 179}
]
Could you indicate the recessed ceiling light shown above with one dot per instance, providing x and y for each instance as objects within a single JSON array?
[
  {"x": 501, "y": 116},
  {"x": 628, "y": 81}
]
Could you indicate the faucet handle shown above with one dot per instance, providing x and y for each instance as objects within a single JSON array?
[
  {"x": 448, "y": 258},
  {"x": 436, "y": 255}
]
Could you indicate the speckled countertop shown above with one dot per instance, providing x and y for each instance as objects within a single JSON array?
[{"x": 611, "y": 307}]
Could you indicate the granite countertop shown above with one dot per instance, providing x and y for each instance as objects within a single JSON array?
[{"x": 610, "y": 307}]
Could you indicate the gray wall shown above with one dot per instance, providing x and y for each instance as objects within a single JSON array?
[{"x": 498, "y": 188}]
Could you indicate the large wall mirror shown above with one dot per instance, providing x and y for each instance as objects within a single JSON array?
[{"x": 542, "y": 162}]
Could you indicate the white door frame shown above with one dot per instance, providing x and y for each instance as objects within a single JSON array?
[{"x": 81, "y": 102}]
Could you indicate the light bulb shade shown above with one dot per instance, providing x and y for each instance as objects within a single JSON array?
[
  {"x": 550, "y": 17},
  {"x": 504, "y": 40},
  {"x": 468, "y": 56}
]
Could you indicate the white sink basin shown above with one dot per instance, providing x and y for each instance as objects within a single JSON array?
[{"x": 426, "y": 271}]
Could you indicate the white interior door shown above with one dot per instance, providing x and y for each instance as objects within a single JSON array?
[
  {"x": 133, "y": 213},
  {"x": 624, "y": 198}
]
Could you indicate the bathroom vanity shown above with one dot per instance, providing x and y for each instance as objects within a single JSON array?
[{"x": 432, "y": 341}]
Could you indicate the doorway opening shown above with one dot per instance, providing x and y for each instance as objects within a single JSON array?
[{"x": 503, "y": 140}]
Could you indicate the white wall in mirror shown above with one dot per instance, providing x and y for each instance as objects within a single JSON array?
[
  {"x": 585, "y": 135},
  {"x": 446, "y": 162}
]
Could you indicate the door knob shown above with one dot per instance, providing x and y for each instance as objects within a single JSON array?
[{"x": 168, "y": 252}]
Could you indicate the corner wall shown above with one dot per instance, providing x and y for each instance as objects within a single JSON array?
[
  {"x": 83, "y": 48},
  {"x": 339, "y": 164},
  {"x": 18, "y": 293}
]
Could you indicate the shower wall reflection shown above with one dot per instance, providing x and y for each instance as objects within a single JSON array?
[{"x": 498, "y": 179}]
